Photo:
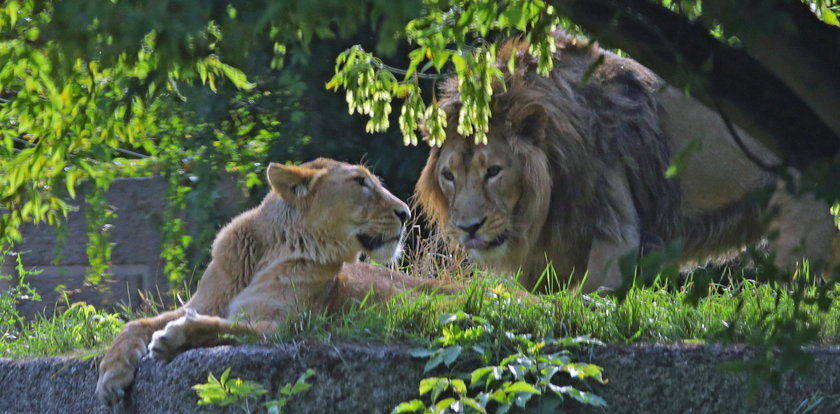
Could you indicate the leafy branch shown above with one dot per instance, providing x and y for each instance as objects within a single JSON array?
[{"x": 449, "y": 38}]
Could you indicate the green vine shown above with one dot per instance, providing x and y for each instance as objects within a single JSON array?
[
  {"x": 100, "y": 217},
  {"x": 175, "y": 238}
]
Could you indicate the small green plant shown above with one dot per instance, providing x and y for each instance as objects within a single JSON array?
[
  {"x": 10, "y": 319},
  {"x": 525, "y": 377},
  {"x": 81, "y": 327},
  {"x": 225, "y": 391},
  {"x": 287, "y": 391}
]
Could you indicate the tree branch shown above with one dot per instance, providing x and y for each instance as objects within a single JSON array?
[
  {"x": 792, "y": 43},
  {"x": 687, "y": 56}
]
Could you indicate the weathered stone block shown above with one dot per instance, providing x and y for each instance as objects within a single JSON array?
[{"x": 375, "y": 378}]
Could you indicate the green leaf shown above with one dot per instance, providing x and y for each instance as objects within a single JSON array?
[
  {"x": 441, "y": 385},
  {"x": 459, "y": 386},
  {"x": 211, "y": 392},
  {"x": 460, "y": 63},
  {"x": 448, "y": 318},
  {"x": 409, "y": 407},
  {"x": 433, "y": 362},
  {"x": 582, "y": 396},
  {"x": 440, "y": 58},
  {"x": 324, "y": 32},
  {"x": 583, "y": 370},
  {"x": 521, "y": 399},
  {"x": 275, "y": 406},
  {"x": 444, "y": 404},
  {"x": 71, "y": 183},
  {"x": 829, "y": 16},
  {"x": 518, "y": 371},
  {"x": 472, "y": 403},
  {"x": 451, "y": 354},
  {"x": 421, "y": 352},
  {"x": 485, "y": 375},
  {"x": 416, "y": 56},
  {"x": 427, "y": 384},
  {"x": 521, "y": 386},
  {"x": 12, "y": 8},
  {"x": 300, "y": 387}
]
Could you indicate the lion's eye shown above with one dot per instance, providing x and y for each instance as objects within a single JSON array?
[
  {"x": 493, "y": 171},
  {"x": 362, "y": 181},
  {"x": 447, "y": 175}
]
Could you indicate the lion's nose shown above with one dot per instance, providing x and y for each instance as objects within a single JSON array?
[
  {"x": 403, "y": 214},
  {"x": 471, "y": 227}
]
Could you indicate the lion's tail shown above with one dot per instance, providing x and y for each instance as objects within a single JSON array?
[{"x": 723, "y": 230}]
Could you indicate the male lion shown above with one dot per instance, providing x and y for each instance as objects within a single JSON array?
[
  {"x": 573, "y": 174},
  {"x": 275, "y": 261}
]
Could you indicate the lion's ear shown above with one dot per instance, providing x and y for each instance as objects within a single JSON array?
[
  {"x": 293, "y": 182},
  {"x": 531, "y": 122}
]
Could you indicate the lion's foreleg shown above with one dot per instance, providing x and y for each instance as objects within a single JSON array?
[
  {"x": 622, "y": 235},
  {"x": 802, "y": 227},
  {"x": 116, "y": 370},
  {"x": 604, "y": 261},
  {"x": 195, "y": 331},
  {"x": 362, "y": 282}
]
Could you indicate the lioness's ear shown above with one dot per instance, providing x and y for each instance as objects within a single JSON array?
[{"x": 291, "y": 181}]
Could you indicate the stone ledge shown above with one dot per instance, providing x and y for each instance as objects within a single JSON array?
[{"x": 373, "y": 379}]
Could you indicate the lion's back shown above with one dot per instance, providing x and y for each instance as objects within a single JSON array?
[{"x": 237, "y": 250}]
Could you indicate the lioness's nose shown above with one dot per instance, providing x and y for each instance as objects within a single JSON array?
[
  {"x": 471, "y": 227},
  {"x": 403, "y": 214}
]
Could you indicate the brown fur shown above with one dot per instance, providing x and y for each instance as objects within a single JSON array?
[
  {"x": 294, "y": 252},
  {"x": 582, "y": 180}
]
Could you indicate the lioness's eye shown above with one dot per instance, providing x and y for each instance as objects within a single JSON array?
[
  {"x": 493, "y": 171},
  {"x": 447, "y": 175},
  {"x": 362, "y": 181}
]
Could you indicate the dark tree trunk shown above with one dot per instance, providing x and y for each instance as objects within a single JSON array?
[{"x": 724, "y": 78}]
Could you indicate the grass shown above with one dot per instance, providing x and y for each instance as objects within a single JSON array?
[
  {"x": 81, "y": 331},
  {"x": 744, "y": 312},
  {"x": 524, "y": 339},
  {"x": 652, "y": 314}
]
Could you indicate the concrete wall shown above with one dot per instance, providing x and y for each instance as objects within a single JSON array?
[
  {"x": 137, "y": 235},
  {"x": 373, "y": 379},
  {"x": 135, "y": 258}
]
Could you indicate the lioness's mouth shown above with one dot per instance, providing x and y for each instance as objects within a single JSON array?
[{"x": 374, "y": 242}]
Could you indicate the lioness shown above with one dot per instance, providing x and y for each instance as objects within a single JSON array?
[
  {"x": 272, "y": 262},
  {"x": 573, "y": 174}
]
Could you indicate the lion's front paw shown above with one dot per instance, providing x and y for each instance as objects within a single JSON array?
[
  {"x": 116, "y": 371},
  {"x": 170, "y": 341},
  {"x": 110, "y": 389}
]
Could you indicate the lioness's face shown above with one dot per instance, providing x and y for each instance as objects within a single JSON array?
[
  {"x": 347, "y": 203},
  {"x": 481, "y": 184}
]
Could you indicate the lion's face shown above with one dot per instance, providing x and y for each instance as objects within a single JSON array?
[
  {"x": 344, "y": 204},
  {"x": 482, "y": 186},
  {"x": 492, "y": 199}
]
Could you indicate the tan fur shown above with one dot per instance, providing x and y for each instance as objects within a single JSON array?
[
  {"x": 573, "y": 175},
  {"x": 294, "y": 252}
]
